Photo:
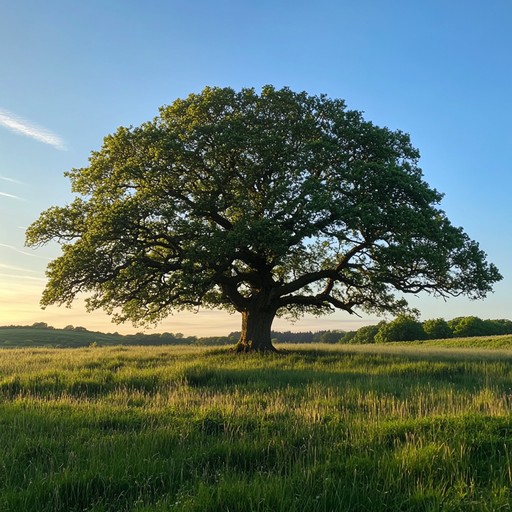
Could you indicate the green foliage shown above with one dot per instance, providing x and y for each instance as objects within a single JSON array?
[
  {"x": 48, "y": 336},
  {"x": 405, "y": 328},
  {"x": 348, "y": 337},
  {"x": 278, "y": 203},
  {"x": 325, "y": 428},
  {"x": 41, "y": 325},
  {"x": 402, "y": 328},
  {"x": 327, "y": 336},
  {"x": 497, "y": 326},
  {"x": 437, "y": 329},
  {"x": 366, "y": 334},
  {"x": 465, "y": 326}
]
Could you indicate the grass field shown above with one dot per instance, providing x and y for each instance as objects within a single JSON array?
[{"x": 410, "y": 427}]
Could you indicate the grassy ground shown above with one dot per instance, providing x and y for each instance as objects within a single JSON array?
[
  {"x": 34, "y": 337},
  {"x": 319, "y": 428}
]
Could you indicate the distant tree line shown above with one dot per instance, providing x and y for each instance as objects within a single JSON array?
[
  {"x": 407, "y": 328},
  {"x": 170, "y": 338},
  {"x": 402, "y": 328},
  {"x": 329, "y": 336}
]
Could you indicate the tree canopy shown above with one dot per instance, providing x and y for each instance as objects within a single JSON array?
[
  {"x": 270, "y": 203},
  {"x": 402, "y": 328},
  {"x": 437, "y": 329}
]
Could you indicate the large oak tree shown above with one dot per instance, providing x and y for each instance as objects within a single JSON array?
[{"x": 271, "y": 203}]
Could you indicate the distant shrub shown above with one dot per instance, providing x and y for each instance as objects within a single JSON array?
[
  {"x": 497, "y": 327},
  {"x": 41, "y": 325},
  {"x": 213, "y": 341},
  {"x": 437, "y": 329},
  {"x": 348, "y": 337},
  {"x": 366, "y": 334},
  {"x": 402, "y": 328},
  {"x": 467, "y": 326},
  {"x": 331, "y": 336},
  {"x": 327, "y": 336}
]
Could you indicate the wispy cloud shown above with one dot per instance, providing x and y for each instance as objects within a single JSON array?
[
  {"x": 23, "y": 276},
  {"x": 26, "y": 253},
  {"x": 11, "y": 180},
  {"x": 17, "y": 269},
  {"x": 12, "y": 196},
  {"x": 18, "y": 125}
]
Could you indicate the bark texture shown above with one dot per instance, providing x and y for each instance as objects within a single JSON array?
[{"x": 256, "y": 332}]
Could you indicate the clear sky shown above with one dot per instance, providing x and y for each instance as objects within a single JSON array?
[{"x": 73, "y": 71}]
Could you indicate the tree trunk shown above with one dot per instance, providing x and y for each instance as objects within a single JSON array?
[{"x": 256, "y": 332}]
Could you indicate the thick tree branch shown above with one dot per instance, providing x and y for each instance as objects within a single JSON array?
[
  {"x": 302, "y": 281},
  {"x": 344, "y": 263},
  {"x": 318, "y": 300}
]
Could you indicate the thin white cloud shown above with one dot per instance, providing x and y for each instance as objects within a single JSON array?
[
  {"x": 11, "y": 196},
  {"x": 11, "y": 180},
  {"x": 18, "y": 125},
  {"x": 17, "y": 269},
  {"x": 26, "y": 253},
  {"x": 22, "y": 276}
]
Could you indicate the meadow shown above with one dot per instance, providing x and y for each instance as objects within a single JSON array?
[{"x": 401, "y": 427}]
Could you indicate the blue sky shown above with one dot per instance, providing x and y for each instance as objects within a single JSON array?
[{"x": 72, "y": 72}]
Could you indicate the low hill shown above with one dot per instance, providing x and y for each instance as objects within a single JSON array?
[
  {"x": 41, "y": 335},
  {"x": 44, "y": 336}
]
